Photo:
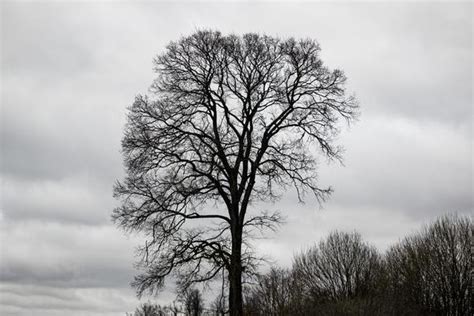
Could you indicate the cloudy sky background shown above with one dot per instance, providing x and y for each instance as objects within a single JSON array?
[{"x": 68, "y": 72}]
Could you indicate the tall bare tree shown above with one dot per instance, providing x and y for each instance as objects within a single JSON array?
[{"x": 232, "y": 119}]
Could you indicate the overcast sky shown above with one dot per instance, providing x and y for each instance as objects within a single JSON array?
[{"x": 68, "y": 72}]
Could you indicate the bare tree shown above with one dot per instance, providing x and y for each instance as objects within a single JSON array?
[
  {"x": 232, "y": 119},
  {"x": 272, "y": 295},
  {"x": 193, "y": 303},
  {"x": 430, "y": 272},
  {"x": 342, "y": 268},
  {"x": 149, "y": 309},
  {"x": 339, "y": 276},
  {"x": 219, "y": 306},
  {"x": 174, "y": 309}
]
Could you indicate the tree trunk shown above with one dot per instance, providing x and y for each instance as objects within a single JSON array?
[{"x": 235, "y": 275}]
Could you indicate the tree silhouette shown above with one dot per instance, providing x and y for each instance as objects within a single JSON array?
[
  {"x": 273, "y": 294},
  {"x": 193, "y": 302},
  {"x": 342, "y": 266},
  {"x": 341, "y": 273},
  {"x": 431, "y": 272},
  {"x": 339, "y": 276},
  {"x": 233, "y": 119},
  {"x": 148, "y": 309}
]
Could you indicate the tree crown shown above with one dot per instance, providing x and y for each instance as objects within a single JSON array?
[{"x": 233, "y": 118}]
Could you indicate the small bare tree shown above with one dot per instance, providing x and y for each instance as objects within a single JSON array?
[
  {"x": 430, "y": 272},
  {"x": 272, "y": 295},
  {"x": 219, "y": 306},
  {"x": 341, "y": 267},
  {"x": 193, "y": 302},
  {"x": 339, "y": 276},
  {"x": 174, "y": 308},
  {"x": 233, "y": 118},
  {"x": 149, "y": 309}
]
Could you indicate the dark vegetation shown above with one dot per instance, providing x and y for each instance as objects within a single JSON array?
[{"x": 427, "y": 273}]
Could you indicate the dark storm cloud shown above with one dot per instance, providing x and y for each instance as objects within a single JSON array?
[{"x": 70, "y": 70}]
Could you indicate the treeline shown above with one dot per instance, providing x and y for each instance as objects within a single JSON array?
[
  {"x": 189, "y": 303},
  {"x": 427, "y": 273}
]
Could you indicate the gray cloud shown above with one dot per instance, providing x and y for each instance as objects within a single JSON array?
[
  {"x": 75, "y": 200},
  {"x": 417, "y": 168},
  {"x": 41, "y": 300},
  {"x": 66, "y": 255},
  {"x": 413, "y": 61},
  {"x": 70, "y": 70}
]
